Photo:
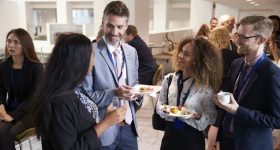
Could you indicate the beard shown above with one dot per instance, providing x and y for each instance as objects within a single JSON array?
[{"x": 113, "y": 39}]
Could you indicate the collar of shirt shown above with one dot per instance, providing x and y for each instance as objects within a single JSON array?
[{"x": 254, "y": 61}]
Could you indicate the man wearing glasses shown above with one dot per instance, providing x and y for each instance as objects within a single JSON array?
[{"x": 254, "y": 82}]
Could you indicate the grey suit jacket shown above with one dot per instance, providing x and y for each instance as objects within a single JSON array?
[{"x": 105, "y": 81}]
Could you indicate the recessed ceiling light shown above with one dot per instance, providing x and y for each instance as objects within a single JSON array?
[
  {"x": 248, "y": 0},
  {"x": 252, "y": 2},
  {"x": 256, "y": 4}
]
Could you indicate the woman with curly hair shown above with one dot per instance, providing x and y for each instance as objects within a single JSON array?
[{"x": 192, "y": 86}]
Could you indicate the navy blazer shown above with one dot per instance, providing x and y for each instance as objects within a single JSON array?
[
  {"x": 259, "y": 106},
  {"x": 147, "y": 64},
  {"x": 30, "y": 73}
]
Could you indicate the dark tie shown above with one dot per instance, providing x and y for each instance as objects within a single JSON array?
[
  {"x": 241, "y": 82},
  {"x": 228, "y": 122}
]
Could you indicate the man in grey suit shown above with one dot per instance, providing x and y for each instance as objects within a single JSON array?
[{"x": 114, "y": 74}]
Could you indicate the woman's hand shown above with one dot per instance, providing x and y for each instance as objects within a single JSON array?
[
  {"x": 112, "y": 117},
  {"x": 115, "y": 116},
  {"x": 196, "y": 115},
  {"x": 6, "y": 117}
]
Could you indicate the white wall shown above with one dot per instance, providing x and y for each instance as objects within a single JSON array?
[
  {"x": 222, "y": 9},
  {"x": 244, "y": 13},
  {"x": 201, "y": 12},
  {"x": 9, "y": 20}
]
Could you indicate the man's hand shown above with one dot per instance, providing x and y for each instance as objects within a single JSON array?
[
  {"x": 125, "y": 92},
  {"x": 231, "y": 107}
]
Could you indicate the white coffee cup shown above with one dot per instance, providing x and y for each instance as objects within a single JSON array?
[{"x": 224, "y": 97}]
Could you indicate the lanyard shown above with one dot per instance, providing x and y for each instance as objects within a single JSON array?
[
  {"x": 252, "y": 72},
  {"x": 180, "y": 84}
]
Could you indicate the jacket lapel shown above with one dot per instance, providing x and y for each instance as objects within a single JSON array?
[
  {"x": 237, "y": 67},
  {"x": 253, "y": 80},
  {"x": 104, "y": 54},
  {"x": 128, "y": 61}
]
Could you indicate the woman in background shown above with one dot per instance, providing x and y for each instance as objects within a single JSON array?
[
  {"x": 66, "y": 117},
  {"x": 198, "y": 78},
  {"x": 19, "y": 72},
  {"x": 220, "y": 38},
  {"x": 203, "y": 31},
  {"x": 274, "y": 45}
]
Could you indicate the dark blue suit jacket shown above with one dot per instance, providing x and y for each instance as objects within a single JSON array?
[
  {"x": 259, "y": 106},
  {"x": 147, "y": 64}
]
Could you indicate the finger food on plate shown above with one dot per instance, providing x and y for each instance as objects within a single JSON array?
[{"x": 145, "y": 89}]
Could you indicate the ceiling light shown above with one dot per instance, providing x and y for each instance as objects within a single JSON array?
[
  {"x": 248, "y": 0},
  {"x": 252, "y": 2},
  {"x": 257, "y": 4}
]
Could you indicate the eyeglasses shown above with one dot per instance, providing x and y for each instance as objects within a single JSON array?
[{"x": 244, "y": 37}]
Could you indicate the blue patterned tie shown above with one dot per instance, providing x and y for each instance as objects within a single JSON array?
[
  {"x": 241, "y": 82},
  {"x": 227, "y": 123}
]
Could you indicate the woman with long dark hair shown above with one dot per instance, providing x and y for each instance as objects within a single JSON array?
[
  {"x": 65, "y": 116},
  {"x": 19, "y": 72}
]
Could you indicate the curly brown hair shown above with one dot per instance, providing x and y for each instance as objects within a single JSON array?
[
  {"x": 207, "y": 65},
  {"x": 219, "y": 37}
]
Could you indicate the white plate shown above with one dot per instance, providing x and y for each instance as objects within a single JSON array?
[
  {"x": 182, "y": 116},
  {"x": 186, "y": 116},
  {"x": 146, "y": 89}
]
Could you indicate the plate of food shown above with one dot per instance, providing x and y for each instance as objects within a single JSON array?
[
  {"x": 175, "y": 111},
  {"x": 146, "y": 89}
]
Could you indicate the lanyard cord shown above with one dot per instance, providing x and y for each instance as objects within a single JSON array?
[{"x": 180, "y": 85}]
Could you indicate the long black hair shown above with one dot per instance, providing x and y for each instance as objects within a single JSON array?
[{"x": 65, "y": 70}]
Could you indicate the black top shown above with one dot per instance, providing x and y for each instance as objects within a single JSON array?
[
  {"x": 15, "y": 75},
  {"x": 25, "y": 87},
  {"x": 71, "y": 127},
  {"x": 147, "y": 64}
]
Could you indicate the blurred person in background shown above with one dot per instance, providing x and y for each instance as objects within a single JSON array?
[
  {"x": 274, "y": 45},
  {"x": 147, "y": 64},
  {"x": 213, "y": 23},
  {"x": 219, "y": 37},
  {"x": 229, "y": 21},
  {"x": 203, "y": 31}
]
